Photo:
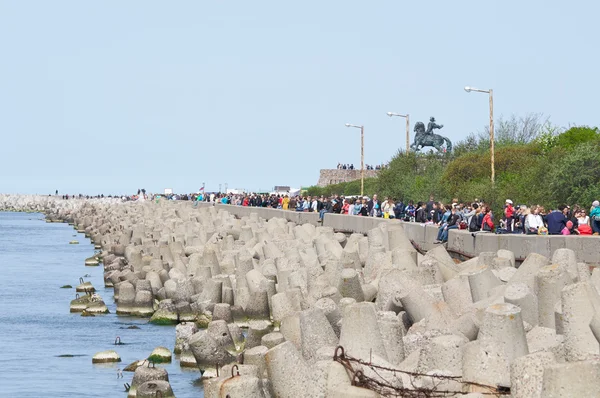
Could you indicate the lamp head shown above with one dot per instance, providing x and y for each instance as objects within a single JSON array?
[
  {"x": 390, "y": 114},
  {"x": 347, "y": 124},
  {"x": 468, "y": 89}
]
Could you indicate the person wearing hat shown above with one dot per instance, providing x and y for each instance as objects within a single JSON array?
[
  {"x": 509, "y": 212},
  {"x": 595, "y": 217}
]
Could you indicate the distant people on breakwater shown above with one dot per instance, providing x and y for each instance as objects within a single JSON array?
[
  {"x": 342, "y": 166},
  {"x": 476, "y": 217}
]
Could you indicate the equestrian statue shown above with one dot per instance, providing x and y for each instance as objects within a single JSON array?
[{"x": 427, "y": 137}]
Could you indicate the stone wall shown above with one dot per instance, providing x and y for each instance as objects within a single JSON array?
[{"x": 335, "y": 176}]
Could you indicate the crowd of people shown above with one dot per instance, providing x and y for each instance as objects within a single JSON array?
[
  {"x": 475, "y": 217},
  {"x": 342, "y": 166}
]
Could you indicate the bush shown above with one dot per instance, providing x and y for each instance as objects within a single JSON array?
[
  {"x": 576, "y": 136},
  {"x": 574, "y": 176}
]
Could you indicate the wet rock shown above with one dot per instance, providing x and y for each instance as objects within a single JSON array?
[{"x": 106, "y": 356}]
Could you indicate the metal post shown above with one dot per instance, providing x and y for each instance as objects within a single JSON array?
[
  {"x": 407, "y": 134},
  {"x": 492, "y": 135},
  {"x": 219, "y": 188},
  {"x": 362, "y": 160}
]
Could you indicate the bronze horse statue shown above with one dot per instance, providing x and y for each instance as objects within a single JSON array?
[{"x": 424, "y": 138}]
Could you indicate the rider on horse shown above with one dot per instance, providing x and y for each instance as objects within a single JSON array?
[{"x": 432, "y": 125}]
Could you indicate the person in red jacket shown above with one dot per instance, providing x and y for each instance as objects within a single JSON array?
[
  {"x": 487, "y": 224},
  {"x": 509, "y": 212}
]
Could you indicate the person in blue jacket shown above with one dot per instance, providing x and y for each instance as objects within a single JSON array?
[{"x": 557, "y": 220}]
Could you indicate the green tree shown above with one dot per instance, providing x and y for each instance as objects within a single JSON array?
[
  {"x": 574, "y": 178},
  {"x": 577, "y": 135}
]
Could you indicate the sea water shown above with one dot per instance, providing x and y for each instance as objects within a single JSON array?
[{"x": 36, "y": 327}]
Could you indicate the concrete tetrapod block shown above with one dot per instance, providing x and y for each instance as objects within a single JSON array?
[
  {"x": 256, "y": 356},
  {"x": 349, "y": 285},
  {"x": 207, "y": 351},
  {"x": 502, "y": 323},
  {"x": 378, "y": 261},
  {"x": 529, "y": 269},
  {"x": 397, "y": 239},
  {"x": 595, "y": 326},
  {"x": 240, "y": 386},
  {"x": 316, "y": 332},
  {"x": 290, "y": 329},
  {"x": 447, "y": 266},
  {"x": 428, "y": 272},
  {"x": 237, "y": 379},
  {"x": 541, "y": 339},
  {"x": 499, "y": 263},
  {"x": 443, "y": 353},
  {"x": 583, "y": 272},
  {"x": 486, "y": 258},
  {"x": 575, "y": 379},
  {"x": 404, "y": 260},
  {"x": 288, "y": 372},
  {"x": 487, "y": 366},
  {"x": 568, "y": 259},
  {"x": 417, "y": 304},
  {"x": 521, "y": 295},
  {"x": 466, "y": 325},
  {"x": 219, "y": 331},
  {"x": 183, "y": 332},
  {"x": 272, "y": 339},
  {"x": 392, "y": 284},
  {"x": 550, "y": 281},
  {"x": 527, "y": 374},
  {"x": 350, "y": 257},
  {"x": 331, "y": 311},
  {"x": 151, "y": 389},
  {"x": 144, "y": 374},
  {"x": 222, "y": 311},
  {"x": 360, "y": 335},
  {"x": 283, "y": 307},
  {"x": 257, "y": 306},
  {"x": 577, "y": 313},
  {"x": 481, "y": 281},
  {"x": 506, "y": 254},
  {"x": 457, "y": 293},
  {"x": 392, "y": 332},
  {"x": 256, "y": 330},
  {"x": 370, "y": 291}
]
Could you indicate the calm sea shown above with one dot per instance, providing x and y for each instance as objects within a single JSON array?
[{"x": 36, "y": 326}]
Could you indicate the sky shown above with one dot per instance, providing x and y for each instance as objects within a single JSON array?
[{"x": 111, "y": 96}]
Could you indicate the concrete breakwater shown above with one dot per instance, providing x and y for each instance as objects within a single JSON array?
[{"x": 420, "y": 324}]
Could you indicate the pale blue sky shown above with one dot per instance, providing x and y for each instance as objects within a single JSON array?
[{"x": 112, "y": 96}]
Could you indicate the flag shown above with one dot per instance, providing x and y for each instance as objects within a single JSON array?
[{"x": 202, "y": 189}]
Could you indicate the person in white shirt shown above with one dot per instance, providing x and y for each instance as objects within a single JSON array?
[
  {"x": 582, "y": 218},
  {"x": 533, "y": 221}
]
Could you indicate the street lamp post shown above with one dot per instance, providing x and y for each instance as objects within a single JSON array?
[
  {"x": 390, "y": 114},
  {"x": 362, "y": 156},
  {"x": 491, "y": 93}
]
